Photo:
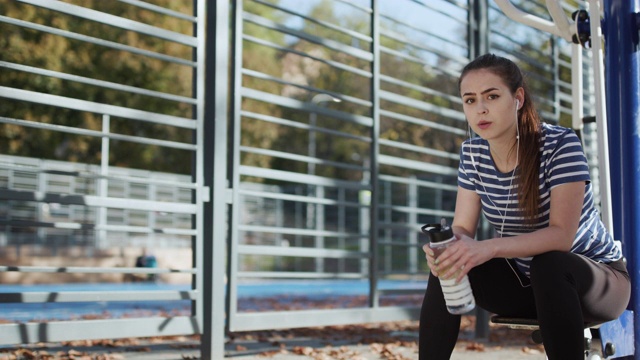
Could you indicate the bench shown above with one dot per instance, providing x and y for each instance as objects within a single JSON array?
[{"x": 615, "y": 337}]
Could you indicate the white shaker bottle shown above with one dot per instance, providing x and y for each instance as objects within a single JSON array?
[{"x": 457, "y": 295}]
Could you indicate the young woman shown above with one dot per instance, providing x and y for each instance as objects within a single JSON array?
[{"x": 552, "y": 258}]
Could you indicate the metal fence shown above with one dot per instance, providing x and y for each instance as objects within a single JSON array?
[
  {"x": 321, "y": 136},
  {"x": 51, "y": 96}
]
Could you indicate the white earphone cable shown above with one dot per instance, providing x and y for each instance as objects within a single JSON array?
[{"x": 503, "y": 216}]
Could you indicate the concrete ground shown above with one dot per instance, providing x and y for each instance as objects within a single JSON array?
[
  {"x": 300, "y": 349},
  {"x": 383, "y": 341}
]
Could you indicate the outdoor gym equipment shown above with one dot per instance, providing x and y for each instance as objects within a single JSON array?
[{"x": 617, "y": 338}]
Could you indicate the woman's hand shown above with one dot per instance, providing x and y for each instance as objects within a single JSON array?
[
  {"x": 430, "y": 255},
  {"x": 459, "y": 258}
]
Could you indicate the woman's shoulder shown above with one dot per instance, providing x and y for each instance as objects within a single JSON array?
[
  {"x": 552, "y": 129},
  {"x": 552, "y": 134},
  {"x": 475, "y": 142}
]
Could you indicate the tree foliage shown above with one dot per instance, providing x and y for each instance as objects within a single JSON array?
[{"x": 39, "y": 49}]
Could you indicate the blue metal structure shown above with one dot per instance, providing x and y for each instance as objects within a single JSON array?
[{"x": 620, "y": 29}]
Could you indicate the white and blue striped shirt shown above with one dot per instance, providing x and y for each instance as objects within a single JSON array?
[{"x": 562, "y": 161}]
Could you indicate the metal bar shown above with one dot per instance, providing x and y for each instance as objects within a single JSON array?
[
  {"x": 150, "y": 177},
  {"x": 213, "y": 91},
  {"x": 112, "y": 20},
  {"x": 331, "y": 63},
  {"x": 438, "y": 10},
  {"x": 297, "y": 104},
  {"x": 308, "y": 232},
  {"x": 57, "y": 331},
  {"x": 96, "y": 108},
  {"x": 418, "y": 149},
  {"x": 95, "y": 296},
  {"x": 89, "y": 200},
  {"x": 102, "y": 185},
  {"x": 528, "y": 19},
  {"x": 298, "y": 125},
  {"x": 327, "y": 317},
  {"x": 342, "y": 97},
  {"x": 400, "y": 243},
  {"x": 600, "y": 95},
  {"x": 301, "y": 252},
  {"x": 96, "y": 82},
  {"x": 408, "y": 209},
  {"x": 421, "y": 105},
  {"x": 296, "y": 177},
  {"x": 419, "y": 121},
  {"x": 92, "y": 270},
  {"x": 298, "y": 275},
  {"x": 416, "y": 165},
  {"x": 362, "y": 8},
  {"x": 95, "y": 133},
  {"x": 422, "y": 89},
  {"x": 432, "y": 49},
  {"x": 235, "y": 141},
  {"x": 97, "y": 227},
  {"x": 330, "y": 44},
  {"x": 402, "y": 55},
  {"x": 299, "y": 198},
  {"x": 620, "y": 31},
  {"x": 374, "y": 157},
  {"x": 418, "y": 291},
  {"x": 390, "y": 34},
  {"x": 427, "y": 184},
  {"x": 160, "y": 10},
  {"x": 326, "y": 24},
  {"x": 301, "y": 158},
  {"x": 92, "y": 40}
]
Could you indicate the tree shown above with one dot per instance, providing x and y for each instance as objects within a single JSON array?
[{"x": 48, "y": 51}]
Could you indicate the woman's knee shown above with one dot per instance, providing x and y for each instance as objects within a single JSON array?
[{"x": 549, "y": 265}]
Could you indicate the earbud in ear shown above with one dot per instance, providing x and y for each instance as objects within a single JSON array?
[{"x": 517, "y": 104}]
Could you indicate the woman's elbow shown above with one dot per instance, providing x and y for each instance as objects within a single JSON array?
[
  {"x": 565, "y": 247},
  {"x": 567, "y": 239}
]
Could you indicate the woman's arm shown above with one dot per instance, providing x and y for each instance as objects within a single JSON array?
[
  {"x": 467, "y": 213},
  {"x": 465, "y": 221},
  {"x": 564, "y": 217}
]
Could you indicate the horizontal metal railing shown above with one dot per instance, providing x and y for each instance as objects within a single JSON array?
[{"x": 80, "y": 207}]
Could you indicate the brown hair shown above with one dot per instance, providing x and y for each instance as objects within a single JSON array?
[{"x": 528, "y": 180}]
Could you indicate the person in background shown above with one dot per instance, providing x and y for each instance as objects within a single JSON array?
[
  {"x": 147, "y": 260},
  {"x": 552, "y": 259}
]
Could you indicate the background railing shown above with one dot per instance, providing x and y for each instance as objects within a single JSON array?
[{"x": 85, "y": 88}]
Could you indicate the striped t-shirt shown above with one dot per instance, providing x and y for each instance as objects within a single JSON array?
[{"x": 562, "y": 161}]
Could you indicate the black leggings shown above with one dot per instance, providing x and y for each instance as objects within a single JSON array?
[{"x": 566, "y": 290}]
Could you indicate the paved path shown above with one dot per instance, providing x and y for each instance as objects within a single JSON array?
[{"x": 385, "y": 341}]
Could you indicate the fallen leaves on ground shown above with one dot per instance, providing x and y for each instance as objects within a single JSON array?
[
  {"x": 102, "y": 349},
  {"x": 387, "y": 340}
]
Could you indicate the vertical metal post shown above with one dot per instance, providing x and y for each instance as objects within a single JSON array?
[
  {"x": 604, "y": 176},
  {"x": 622, "y": 78},
  {"x": 315, "y": 212},
  {"x": 342, "y": 228},
  {"x": 103, "y": 185},
  {"x": 373, "y": 163},
  {"x": 478, "y": 28},
  {"x": 478, "y": 31},
  {"x": 212, "y": 93},
  {"x": 412, "y": 218},
  {"x": 234, "y": 134}
]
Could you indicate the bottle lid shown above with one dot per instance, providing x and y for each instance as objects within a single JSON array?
[{"x": 438, "y": 232}]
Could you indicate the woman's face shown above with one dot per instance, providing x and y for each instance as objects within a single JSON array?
[{"x": 489, "y": 105}]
